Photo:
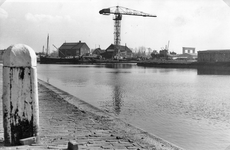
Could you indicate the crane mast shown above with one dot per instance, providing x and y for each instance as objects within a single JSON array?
[
  {"x": 118, "y": 11},
  {"x": 117, "y": 27}
]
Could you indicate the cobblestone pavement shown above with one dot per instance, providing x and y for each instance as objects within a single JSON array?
[{"x": 90, "y": 127}]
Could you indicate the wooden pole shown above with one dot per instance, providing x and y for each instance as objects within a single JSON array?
[{"x": 20, "y": 94}]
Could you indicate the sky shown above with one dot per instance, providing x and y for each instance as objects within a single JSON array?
[{"x": 203, "y": 24}]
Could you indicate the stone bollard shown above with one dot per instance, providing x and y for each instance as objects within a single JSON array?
[{"x": 20, "y": 94}]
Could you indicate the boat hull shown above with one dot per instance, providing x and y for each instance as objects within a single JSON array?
[{"x": 49, "y": 60}]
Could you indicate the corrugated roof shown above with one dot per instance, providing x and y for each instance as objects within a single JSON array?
[{"x": 71, "y": 45}]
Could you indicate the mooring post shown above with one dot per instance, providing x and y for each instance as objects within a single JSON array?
[{"x": 20, "y": 94}]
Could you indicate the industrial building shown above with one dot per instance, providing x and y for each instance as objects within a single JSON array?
[
  {"x": 214, "y": 56},
  {"x": 98, "y": 51},
  {"x": 73, "y": 49},
  {"x": 188, "y": 50},
  {"x": 117, "y": 52},
  {"x": 186, "y": 56},
  {"x": 188, "y": 53}
]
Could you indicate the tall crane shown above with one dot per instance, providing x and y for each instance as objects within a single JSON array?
[{"x": 118, "y": 11}]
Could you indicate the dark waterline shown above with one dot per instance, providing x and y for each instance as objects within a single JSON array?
[{"x": 187, "y": 107}]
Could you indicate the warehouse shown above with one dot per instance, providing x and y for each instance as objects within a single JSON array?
[
  {"x": 98, "y": 51},
  {"x": 73, "y": 49},
  {"x": 214, "y": 56},
  {"x": 117, "y": 52}
]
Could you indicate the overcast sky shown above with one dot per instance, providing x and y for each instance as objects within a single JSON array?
[{"x": 203, "y": 24}]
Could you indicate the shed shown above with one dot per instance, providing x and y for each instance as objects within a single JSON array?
[
  {"x": 73, "y": 49},
  {"x": 98, "y": 51},
  {"x": 214, "y": 56},
  {"x": 117, "y": 52}
]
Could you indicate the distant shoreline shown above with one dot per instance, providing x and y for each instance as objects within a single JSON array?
[{"x": 184, "y": 64}]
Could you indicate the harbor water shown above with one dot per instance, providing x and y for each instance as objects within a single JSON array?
[{"x": 183, "y": 106}]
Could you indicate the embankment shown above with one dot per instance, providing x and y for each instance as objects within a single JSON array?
[{"x": 113, "y": 124}]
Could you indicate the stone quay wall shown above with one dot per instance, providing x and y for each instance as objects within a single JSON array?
[{"x": 64, "y": 118}]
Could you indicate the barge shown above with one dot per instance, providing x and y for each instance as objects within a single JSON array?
[{"x": 52, "y": 60}]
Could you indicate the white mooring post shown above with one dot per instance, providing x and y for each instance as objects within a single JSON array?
[{"x": 20, "y": 94}]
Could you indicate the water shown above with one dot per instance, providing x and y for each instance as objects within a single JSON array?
[{"x": 178, "y": 105}]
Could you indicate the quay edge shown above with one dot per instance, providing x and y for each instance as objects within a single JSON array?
[{"x": 116, "y": 123}]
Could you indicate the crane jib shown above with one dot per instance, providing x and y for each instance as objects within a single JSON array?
[
  {"x": 104, "y": 11},
  {"x": 118, "y": 11}
]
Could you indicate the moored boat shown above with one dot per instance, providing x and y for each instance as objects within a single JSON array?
[{"x": 58, "y": 60}]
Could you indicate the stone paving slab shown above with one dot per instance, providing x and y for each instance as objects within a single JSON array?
[{"x": 65, "y": 118}]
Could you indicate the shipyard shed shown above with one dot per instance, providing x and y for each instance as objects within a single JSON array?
[
  {"x": 214, "y": 56},
  {"x": 117, "y": 52},
  {"x": 98, "y": 51},
  {"x": 73, "y": 49}
]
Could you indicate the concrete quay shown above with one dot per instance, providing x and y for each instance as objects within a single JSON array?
[{"x": 65, "y": 118}]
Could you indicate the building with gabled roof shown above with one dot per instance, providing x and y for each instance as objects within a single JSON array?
[
  {"x": 117, "y": 52},
  {"x": 73, "y": 49},
  {"x": 98, "y": 51}
]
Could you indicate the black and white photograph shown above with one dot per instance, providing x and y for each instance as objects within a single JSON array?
[{"x": 115, "y": 74}]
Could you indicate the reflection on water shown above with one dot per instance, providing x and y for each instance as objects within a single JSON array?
[
  {"x": 213, "y": 71},
  {"x": 179, "y": 105},
  {"x": 116, "y": 83},
  {"x": 118, "y": 65},
  {"x": 108, "y": 65},
  {"x": 117, "y": 100}
]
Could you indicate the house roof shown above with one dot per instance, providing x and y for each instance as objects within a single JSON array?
[
  {"x": 119, "y": 47},
  {"x": 71, "y": 45},
  {"x": 99, "y": 50}
]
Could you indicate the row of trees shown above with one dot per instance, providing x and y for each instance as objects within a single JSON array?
[
  {"x": 150, "y": 53},
  {"x": 142, "y": 51}
]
